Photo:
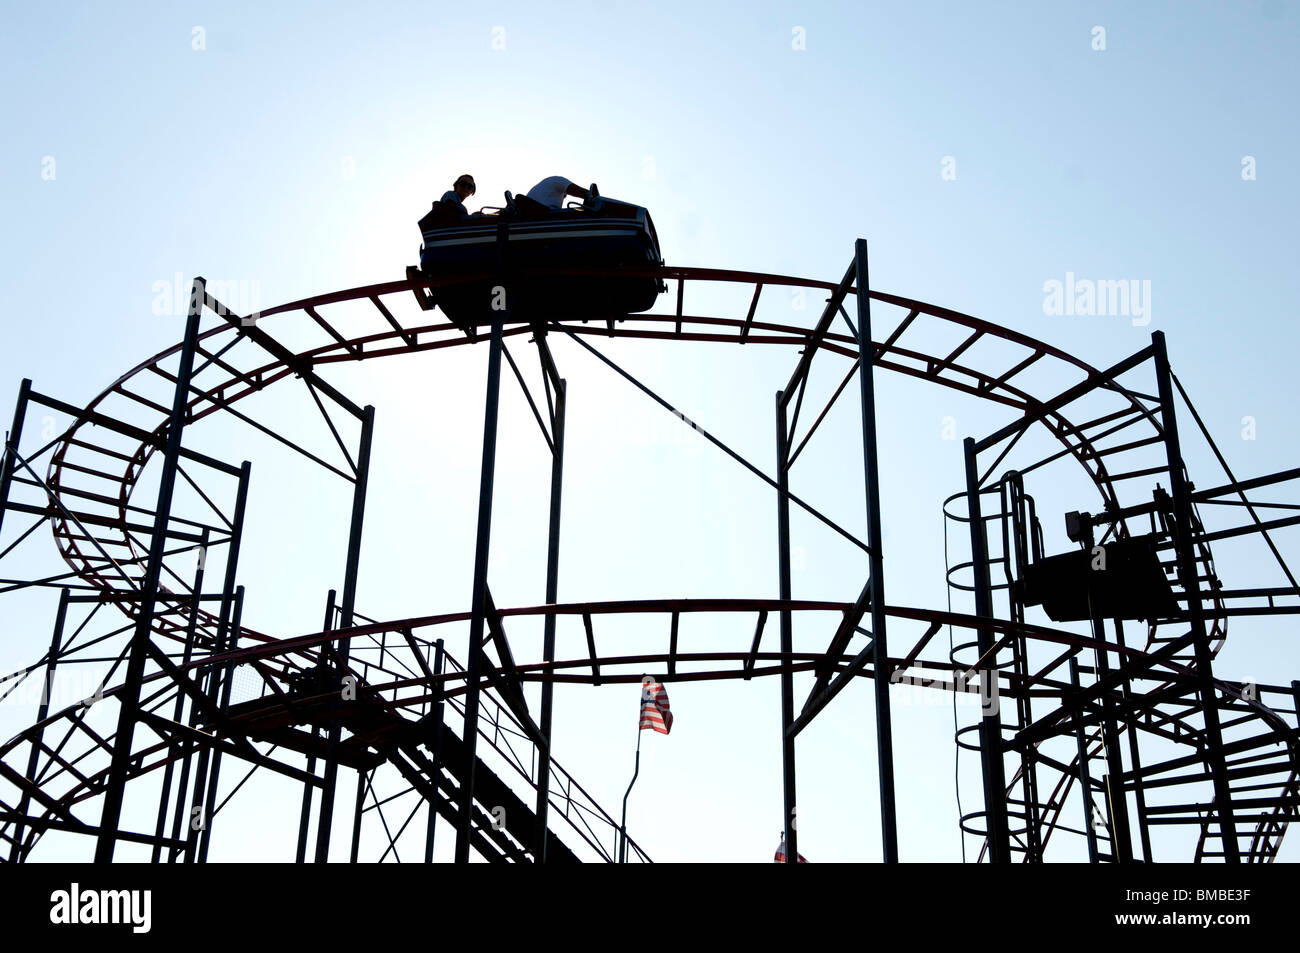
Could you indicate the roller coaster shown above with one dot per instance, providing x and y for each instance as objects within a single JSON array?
[{"x": 1087, "y": 732}]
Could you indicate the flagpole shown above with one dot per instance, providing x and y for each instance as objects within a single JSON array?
[{"x": 622, "y": 830}]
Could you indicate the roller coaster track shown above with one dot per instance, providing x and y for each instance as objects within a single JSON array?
[{"x": 90, "y": 484}]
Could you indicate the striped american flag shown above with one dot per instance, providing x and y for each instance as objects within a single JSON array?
[
  {"x": 780, "y": 853},
  {"x": 654, "y": 707}
]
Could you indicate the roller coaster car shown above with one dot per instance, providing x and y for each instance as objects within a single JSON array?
[
  {"x": 602, "y": 234},
  {"x": 1128, "y": 582},
  {"x": 315, "y": 680}
]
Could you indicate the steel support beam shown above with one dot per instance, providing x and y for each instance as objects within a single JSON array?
[
  {"x": 800, "y": 376},
  {"x": 990, "y": 733},
  {"x": 875, "y": 540},
  {"x": 1144, "y": 832},
  {"x": 346, "y": 611},
  {"x": 1187, "y": 579},
  {"x": 304, "y": 816},
  {"x": 1121, "y": 840},
  {"x": 363, "y": 780},
  {"x": 787, "y": 633},
  {"x": 223, "y": 676},
  {"x": 1051, "y": 406},
  {"x": 478, "y": 603},
  {"x": 10, "y": 456},
  {"x": 53, "y": 824},
  {"x": 227, "y": 638},
  {"x": 820, "y": 699},
  {"x": 300, "y": 366},
  {"x": 548, "y": 635},
  {"x": 438, "y": 711},
  {"x": 229, "y": 598},
  {"x": 1085, "y": 775},
  {"x": 129, "y": 697},
  {"x": 178, "y": 711}
]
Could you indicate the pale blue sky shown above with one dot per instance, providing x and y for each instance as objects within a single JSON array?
[{"x": 296, "y": 149}]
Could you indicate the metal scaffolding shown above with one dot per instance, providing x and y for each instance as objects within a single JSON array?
[{"x": 1081, "y": 733}]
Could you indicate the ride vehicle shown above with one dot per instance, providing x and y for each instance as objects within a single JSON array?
[{"x": 527, "y": 248}]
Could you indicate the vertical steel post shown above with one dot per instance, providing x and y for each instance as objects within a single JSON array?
[
  {"x": 362, "y": 777},
  {"x": 178, "y": 711},
  {"x": 437, "y": 754},
  {"x": 129, "y": 697},
  {"x": 227, "y": 638},
  {"x": 304, "y": 818},
  {"x": 548, "y": 636},
  {"x": 1139, "y": 796},
  {"x": 1085, "y": 776},
  {"x": 990, "y": 733},
  {"x": 1121, "y": 840},
  {"x": 11, "y": 446},
  {"x": 787, "y": 629},
  {"x": 43, "y": 712},
  {"x": 227, "y": 674},
  {"x": 875, "y": 539},
  {"x": 182, "y": 788},
  {"x": 621, "y": 855},
  {"x": 479, "y": 597},
  {"x": 196, "y": 799},
  {"x": 228, "y": 597},
  {"x": 1187, "y": 578},
  {"x": 345, "y": 622}
]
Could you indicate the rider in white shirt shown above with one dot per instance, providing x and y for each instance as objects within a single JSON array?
[{"x": 552, "y": 190}]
